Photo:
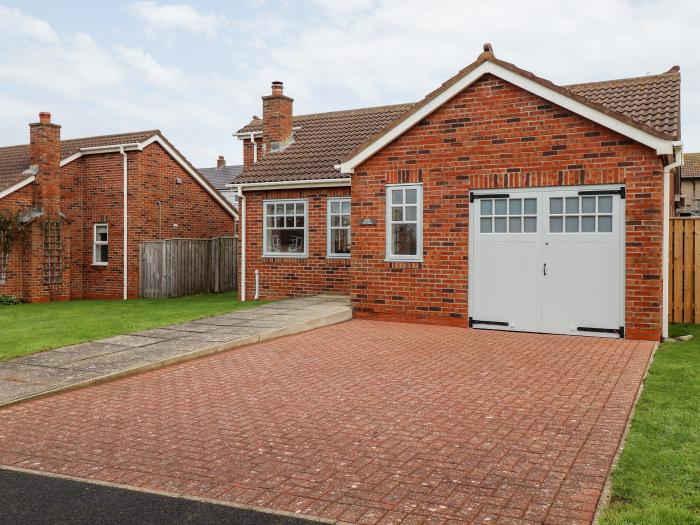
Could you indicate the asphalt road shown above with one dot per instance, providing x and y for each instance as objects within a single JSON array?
[{"x": 37, "y": 499}]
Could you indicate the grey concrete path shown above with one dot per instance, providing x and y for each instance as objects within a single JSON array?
[{"x": 83, "y": 364}]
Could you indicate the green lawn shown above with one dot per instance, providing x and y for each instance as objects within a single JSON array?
[
  {"x": 28, "y": 328},
  {"x": 658, "y": 478}
]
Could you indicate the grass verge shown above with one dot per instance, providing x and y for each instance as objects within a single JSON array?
[
  {"x": 29, "y": 328},
  {"x": 658, "y": 478}
]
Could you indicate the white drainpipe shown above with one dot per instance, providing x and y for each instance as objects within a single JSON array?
[
  {"x": 255, "y": 148},
  {"x": 678, "y": 160},
  {"x": 257, "y": 285},
  {"x": 241, "y": 201},
  {"x": 126, "y": 224}
]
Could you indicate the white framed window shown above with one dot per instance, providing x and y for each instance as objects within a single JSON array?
[
  {"x": 285, "y": 232},
  {"x": 504, "y": 215},
  {"x": 338, "y": 229},
  {"x": 231, "y": 196},
  {"x": 100, "y": 250},
  {"x": 581, "y": 214},
  {"x": 404, "y": 222}
]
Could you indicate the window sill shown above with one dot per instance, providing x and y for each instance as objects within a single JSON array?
[
  {"x": 102, "y": 265},
  {"x": 285, "y": 256},
  {"x": 403, "y": 260},
  {"x": 332, "y": 256}
]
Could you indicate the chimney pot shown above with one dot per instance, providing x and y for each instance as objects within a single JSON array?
[
  {"x": 221, "y": 162},
  {"x": 45, "y": 117},
  {"x": 277, "y": 88}
]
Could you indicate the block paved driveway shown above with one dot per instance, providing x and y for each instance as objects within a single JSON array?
[{"x": 363, "y": 422}]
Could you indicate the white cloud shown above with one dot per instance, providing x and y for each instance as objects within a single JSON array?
[
  {"x": 14, "y": 23},
  {"x": 145, "y": 64},
  {"x": 183, "y": 17}
]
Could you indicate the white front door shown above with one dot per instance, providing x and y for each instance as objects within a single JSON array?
[{"x": 548, "y": 260}]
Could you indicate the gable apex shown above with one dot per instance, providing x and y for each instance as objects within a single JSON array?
[{"x": 485, "y": 64}]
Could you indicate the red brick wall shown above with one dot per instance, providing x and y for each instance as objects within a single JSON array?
[
  {"x": 496, "y": 135},
  {"x": 91, "y": 190},
  {"x": 152, "y": 178},
  {"x": 20, "y": 200},
  {"x": 281, "y": 276}
]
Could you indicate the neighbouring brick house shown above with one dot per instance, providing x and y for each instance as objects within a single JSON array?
[
  {"x": 690, "y": 184},
  {"x": 500, "y": 200},
  {"x": 69, "y": 197},
  {"x": 222, "y": 176}
]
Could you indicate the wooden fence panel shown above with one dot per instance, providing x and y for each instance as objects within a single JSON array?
[
  {"x": 684, "y": 265},
  {"x": 176, "y": 267}
]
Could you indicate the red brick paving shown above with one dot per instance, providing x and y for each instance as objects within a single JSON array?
[{"x": 366, "y": 422}]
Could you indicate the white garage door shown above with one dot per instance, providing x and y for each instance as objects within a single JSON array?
[{"x": 548, "y": 260}]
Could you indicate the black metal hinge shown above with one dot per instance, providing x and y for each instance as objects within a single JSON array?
[
  {"x": 619, "y": 191},
  {"x": 619, "y": 331},
  {"x": 473, "y": 321},
  {"x": 473, "y": 196}
]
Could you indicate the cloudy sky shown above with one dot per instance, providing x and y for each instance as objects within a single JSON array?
[{"x": 197, "y": 70}]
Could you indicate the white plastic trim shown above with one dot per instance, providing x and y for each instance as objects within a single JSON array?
[
  {"x": 661, "y": 146},
  {"x": 287, "y": 185},
  {"x": 21, "y": 184}
]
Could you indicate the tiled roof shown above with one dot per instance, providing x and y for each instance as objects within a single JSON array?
[
  {"x": 319, "y": 144},
  {"x": 220, "y": 177},
  {"x": 653, "y": 100},
  {"x": 14, "y": 160},
  {"x": 651, "y": 104},
  {"x": 691, "y": 165}
]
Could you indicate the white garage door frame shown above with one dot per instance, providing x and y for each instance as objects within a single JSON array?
[{"x": 543, "y": 191}]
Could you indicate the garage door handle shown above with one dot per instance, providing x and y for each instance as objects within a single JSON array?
[{"x": 544, "y": 269}]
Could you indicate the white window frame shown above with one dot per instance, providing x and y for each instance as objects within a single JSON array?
[
  {"x": 289, "y": 255},
  {"x": 96, "y": 243},
  {"x": 329, "y": 228},
  {"x": 418, "y": 257}
]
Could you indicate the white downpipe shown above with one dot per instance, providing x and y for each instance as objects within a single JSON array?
[
  {"x": 257, "y": 284},
  {"x": 255, "y": 148},
  {"x": 241, "y": 200},
  {"x": 126, "y": 224},
  {"x": 678, "y": 160}
]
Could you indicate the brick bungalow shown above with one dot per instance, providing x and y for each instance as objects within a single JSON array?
[
  {"x": 500, "y": 200},
  {"x": 69, "y": 196}
]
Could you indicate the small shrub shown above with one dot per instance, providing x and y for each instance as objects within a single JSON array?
[{"x": 7, "y": 300}]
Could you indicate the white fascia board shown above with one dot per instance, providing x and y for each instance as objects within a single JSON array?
[
  {"x": 193, "y": 173},
  {"x": 291, "y": 184},
  {"x": 96, "y": 150},
  {"x": 257, "y": 134},
  {"x": 661, "y": 146},
  {"x": 18, "y": 186}
]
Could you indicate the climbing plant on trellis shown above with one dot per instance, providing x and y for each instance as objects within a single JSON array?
[
  {"x": 10, "y": 229},
  {"x": 53, "y": 249}
]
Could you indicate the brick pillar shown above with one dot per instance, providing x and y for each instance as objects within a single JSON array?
[
  {"x": 46, "y": 236},
  {"x": 277, "y": 119}
]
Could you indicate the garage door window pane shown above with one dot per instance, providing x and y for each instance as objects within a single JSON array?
[
  {"x": 588, "y": 223},
  {"x": 530, "y": 225},
  {"x": 501, "y": 208},
  {"x": 556, "y": 206},
  {"x": 486, "y": 225},
  {"x": 486, "y": 207},
  {"x": 605, "y": 223},
  {"x": 588, "y": 204},
  {"x": 605, "y": 204},
  {"x": 500, "y": 226},
  {"x": 530, "y": 206},
  {"x": 556, "y": 224},
  {"x": 571, "y": 224},
  {"x": 515, "y": 206},
  {"x": 514, "y": 225},
  {"x": 571, "y": 205}
]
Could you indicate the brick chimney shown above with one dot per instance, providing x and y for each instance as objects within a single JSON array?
[
  {"x": 277, "y": 119},
  {"x": 45, "y": 156},
  {"x": 220, "y": 162}
]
